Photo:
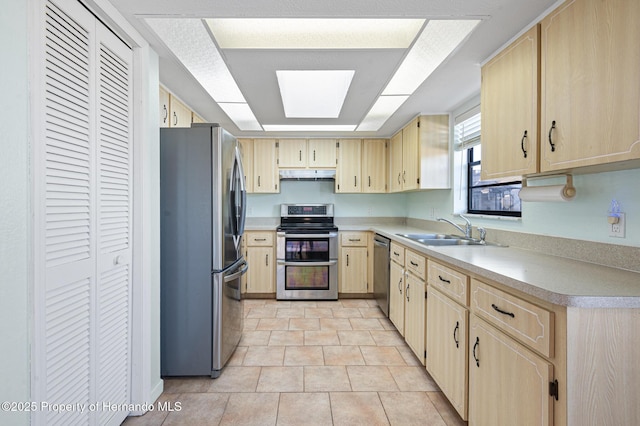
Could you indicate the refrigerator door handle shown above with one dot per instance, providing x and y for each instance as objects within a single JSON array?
[
  {"x": 238, "y": 183},
  {"x": 236, "y": 275}
]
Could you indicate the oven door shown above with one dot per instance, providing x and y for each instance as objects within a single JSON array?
[{"x": 307, "y": 266}]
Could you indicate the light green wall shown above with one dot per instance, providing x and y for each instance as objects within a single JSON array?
[
  {"x": 346, "y": 205},
  {"x": 583, "y": 218},
  {"x": 15, "y": 220}
]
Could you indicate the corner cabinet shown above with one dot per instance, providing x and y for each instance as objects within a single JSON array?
[
  {"x": 265, "y": 170},
  {"x": 590, "y": 90},
  {"x": 509, "y": 93},
  {"x": 419, "y": 155}
]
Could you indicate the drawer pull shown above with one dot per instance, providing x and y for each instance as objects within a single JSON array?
[
  {"x": 511, "y": 314},
  {"x": 395, "y": 253},
  {"x": 444, "y": 280},
  {"x": 413, "y": 263},
  {"x": 260, "y": 239},
  {"x": 475, "y": 346},
  {"x": 455, "y": 332},
  {"x": 353, "y": 240}
]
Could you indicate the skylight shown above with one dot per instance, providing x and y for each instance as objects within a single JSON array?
[{"x": 313, "y": 94}]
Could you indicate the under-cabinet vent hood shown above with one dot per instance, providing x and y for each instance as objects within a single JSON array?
[{"x": 307, "y": 174}]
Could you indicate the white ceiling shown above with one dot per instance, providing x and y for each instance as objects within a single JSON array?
[{"x": 450, "y": 85}]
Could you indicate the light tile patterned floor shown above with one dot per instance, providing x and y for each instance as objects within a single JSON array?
[{"x": 311, "y": 363}]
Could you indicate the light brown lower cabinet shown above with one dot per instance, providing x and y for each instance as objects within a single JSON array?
[
  {"x": 508, "y": 383},
  {"x": 447, "y": 339},
  {"x": 396, "y": 296},
  {"x": 415, "y": 315}
]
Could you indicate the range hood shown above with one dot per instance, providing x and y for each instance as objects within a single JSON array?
[{"x": 307, "y": 174}]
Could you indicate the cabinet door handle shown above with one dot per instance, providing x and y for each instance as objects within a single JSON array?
[
  {"x": 399, "y": 178},
  {"x": 400, "y": 285},
  {"x": 314, "y": 155},
  {"x": 300, "y": 155},
  {"x": 347, "y": 260},
  {"x": 444, "y": 280},
  {"x": 524, "y": 151},
  {"x": 175, "y": 119},
  {"x": 266, "y": 260},
  {"x": 509, "y": 314},
  {"x": 476, "y": 346},
  {"x": 406, "y": 292},
  {"x": 455, "y": 332},
  {"x": 166, "y": 114},
  {"x": 404, "y": 176},
  {"x": 369, "y": 181},
  {"x": 258, "y": 180},
  {"x": 355, "y": 181},
  {"x": 553, "y": 145}
]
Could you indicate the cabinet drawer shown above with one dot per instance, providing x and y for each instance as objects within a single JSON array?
[
  {"x": 415, "y": 264},
  {"x": 259, "y": 238},
  {"x": 530, "y": 324},
  {"x": 397, "y": 253},
  {"x": 353, "y": 239},
  {"x": 451, "y": 282}
]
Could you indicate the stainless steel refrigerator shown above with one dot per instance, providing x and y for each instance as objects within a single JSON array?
[{"x": 202, "y": 201}]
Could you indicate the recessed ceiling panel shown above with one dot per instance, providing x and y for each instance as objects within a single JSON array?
[
  {"x": 255, "y": 73},
  {"x": 314, "y": 33}
]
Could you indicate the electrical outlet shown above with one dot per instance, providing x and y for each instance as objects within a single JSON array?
[
  {"x": 369, "y": 211},
  {"x": 617, "y": 229}
]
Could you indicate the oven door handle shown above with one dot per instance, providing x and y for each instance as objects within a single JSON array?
[
  {"x": 310, "y": 236},
  {"x": 329, "y": 263}
]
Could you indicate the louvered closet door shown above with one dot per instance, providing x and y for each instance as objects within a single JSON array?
[
  {"x": 84, "y": 213},
  {"x": 113, "y": 321}
]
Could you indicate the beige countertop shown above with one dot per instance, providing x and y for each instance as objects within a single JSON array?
[
  {"x": 555, "y": 279},
  {"x": 558, "y": 280}
]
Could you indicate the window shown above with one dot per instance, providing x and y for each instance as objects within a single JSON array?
[{"x": 483, "y": 197}]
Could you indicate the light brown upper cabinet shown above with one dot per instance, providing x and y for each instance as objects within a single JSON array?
[
  {"x": 509, "y": 106},
  {"x": 164, "y": 107},
  {"x": 419, "y": 155},
  {"x": 349, "y": 166},
  {"x": 322, "y": 153},
  {"x": 374, "y": 165},
  {"x": 292, "y": 153},
  {"x": 246, "y": 147},
  {"x": 307, "y": 153},
  {"x": 265, "y": 170},
  {"x": 590, "y": 89},
  {"x": 179, "y": 113},
  {"x": 174, "y": 113}
]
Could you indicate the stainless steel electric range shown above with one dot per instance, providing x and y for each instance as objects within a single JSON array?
[{"x": 307, "y": 253}]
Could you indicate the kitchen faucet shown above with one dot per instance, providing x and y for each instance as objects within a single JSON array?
[{"x": 467, "y": 228}]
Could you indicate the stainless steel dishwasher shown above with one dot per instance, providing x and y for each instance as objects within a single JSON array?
[{"x": 381, "y": 260}]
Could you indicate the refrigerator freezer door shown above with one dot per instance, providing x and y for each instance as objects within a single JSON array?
[{"x": 227, "y": 314}]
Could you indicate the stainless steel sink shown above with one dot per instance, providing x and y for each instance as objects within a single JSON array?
[{"x": 444, "y": 240}]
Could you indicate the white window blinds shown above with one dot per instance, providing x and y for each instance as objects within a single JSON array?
[{"x": 467, "y": 129}]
